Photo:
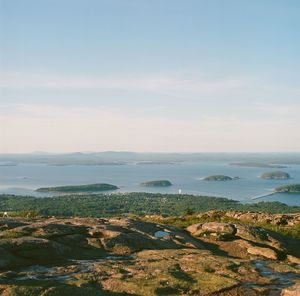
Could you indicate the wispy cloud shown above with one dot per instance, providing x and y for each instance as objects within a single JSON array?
[
  {"x": 163, "y": 84},
  {"x": 276, "y": 109}
]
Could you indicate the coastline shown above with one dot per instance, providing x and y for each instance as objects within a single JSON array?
[{"x": 262, "y": 196}]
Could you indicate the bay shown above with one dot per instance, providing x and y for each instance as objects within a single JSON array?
[{"x": 23, "y": 179}]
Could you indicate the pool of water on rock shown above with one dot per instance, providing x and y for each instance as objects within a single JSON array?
[{"x": 279, "y": 280}]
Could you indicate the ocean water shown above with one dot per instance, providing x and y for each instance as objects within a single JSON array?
[{"x": 23, "y": 179}]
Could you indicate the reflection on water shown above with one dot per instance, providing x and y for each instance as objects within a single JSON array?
[
  {"x": 161, "y": 234},
  {"x": 279, "y": 280}
]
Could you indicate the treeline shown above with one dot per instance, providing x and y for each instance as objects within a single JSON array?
[{"x": 105, "y": 205}]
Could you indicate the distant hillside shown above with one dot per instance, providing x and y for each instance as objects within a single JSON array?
[
  {"x": 267, "y": 160},
  {"x": 258, "y": 165}
]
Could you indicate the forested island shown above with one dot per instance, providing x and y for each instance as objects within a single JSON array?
[
  {"x": 220, "y": 178},
  {"x": 79, "y": 188},
  {"x": 277, "y": 175},
  {"x": 293, "y": 188},
  {"x": 157, "y": 183}
]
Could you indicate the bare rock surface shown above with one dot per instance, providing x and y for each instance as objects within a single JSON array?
[
  {"x": 291, "y": 291},
  {"x": 123, "y": 256},
  {"x": 254, "y": 240},
  {"x": 262, "y": 251},
  {"x": 255, "y": 217},
  {"x": 52, "y": 240}
]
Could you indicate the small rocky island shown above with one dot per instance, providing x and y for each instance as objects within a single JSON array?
[
  {"x": 293, "y": 188},
  {"x": 220, "y": 178},
  {"x": 79, "y": 188},
  {"x": 157, "y": 183},
  {"x": 277, "y": 175}
]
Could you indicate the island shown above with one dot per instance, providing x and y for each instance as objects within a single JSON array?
[
  {"x": 277, "y": 175},
  {"x": 220, "y": 178},
  {"x": 157, "y": 183},
  {"x": 79, "y": 188},
  {"x": 258, "y": 165},
  {"x": 293, "y": 188}
]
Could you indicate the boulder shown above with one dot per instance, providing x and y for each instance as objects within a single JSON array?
[
  {"x": 219, "y": 227},
  {"x": 195, "y": 229},
  {"x": 291, "y": 291},
  {"x": 251, "y": 233},
  {"x": 262, "y": 251},
  {"x": 293, "y": 259},
  {"x": 243, "y": 243}
]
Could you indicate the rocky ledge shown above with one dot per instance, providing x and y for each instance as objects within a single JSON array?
[
  {"x": 253, "y": 217},
  {"x": 122, "y": 256},
  {"x": 244, "y": 241}
]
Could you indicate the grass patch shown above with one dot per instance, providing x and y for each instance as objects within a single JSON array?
[
  {"x": 121, "y": 250},
  {"x": 291, "y": 231},
  {"x": 7, "y": 234}
]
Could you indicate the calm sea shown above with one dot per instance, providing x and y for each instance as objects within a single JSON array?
[{"x": 23, "y": 179}]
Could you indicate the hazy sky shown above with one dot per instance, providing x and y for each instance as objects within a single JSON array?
[{"x": 149, "y": 75}]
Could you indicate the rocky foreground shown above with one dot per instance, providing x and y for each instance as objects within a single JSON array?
[{"x": 122, "y": 256}]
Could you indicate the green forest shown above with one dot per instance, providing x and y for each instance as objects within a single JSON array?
[{"x": 118, "y": 204}]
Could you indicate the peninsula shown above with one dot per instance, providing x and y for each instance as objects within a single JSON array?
[{"x": 293, "y": 188}]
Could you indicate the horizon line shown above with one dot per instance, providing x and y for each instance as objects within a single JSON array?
[{"x": 153, "y": 152}]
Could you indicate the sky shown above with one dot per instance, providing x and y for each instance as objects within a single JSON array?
[{"x": 149, "y": 75}]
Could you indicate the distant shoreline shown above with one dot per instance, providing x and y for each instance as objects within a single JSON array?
[{"x": 258, "y": 165}]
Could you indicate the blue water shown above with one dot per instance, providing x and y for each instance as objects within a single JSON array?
[{"x": 25, "y": 178}]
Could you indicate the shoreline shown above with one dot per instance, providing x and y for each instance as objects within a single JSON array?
[{"x": 262, "y": 196}]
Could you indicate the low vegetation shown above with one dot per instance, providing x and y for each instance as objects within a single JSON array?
[{"x": 139, "y": 203}]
